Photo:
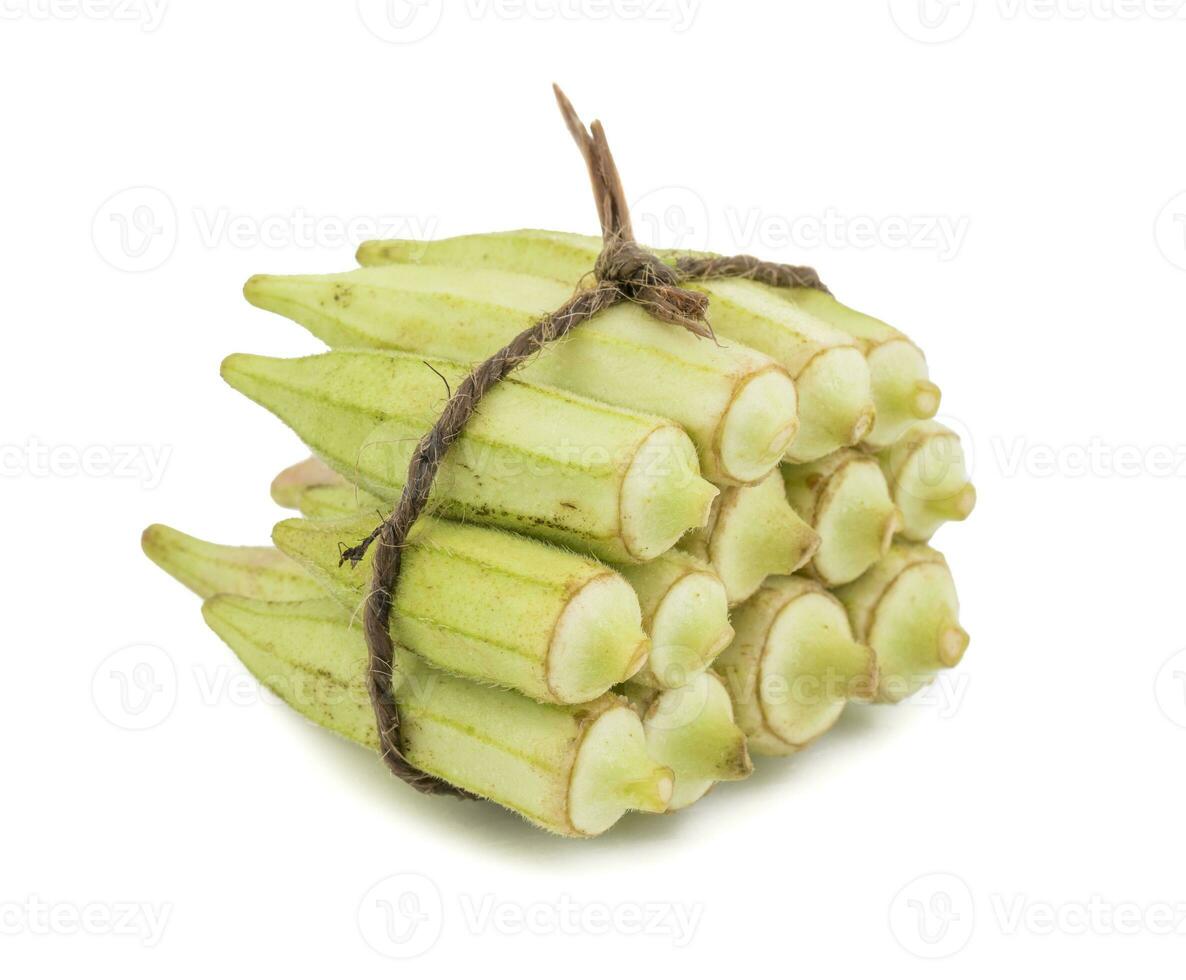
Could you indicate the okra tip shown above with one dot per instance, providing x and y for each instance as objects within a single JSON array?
[
  {"x": 953, "y": 643},
  {"x": 924, "y": 399}
]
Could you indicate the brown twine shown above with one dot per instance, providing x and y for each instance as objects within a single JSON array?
[{"x": 625, "y": 271}]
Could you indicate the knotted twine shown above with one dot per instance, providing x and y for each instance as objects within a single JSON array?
[{"x": 624, "y": 272}]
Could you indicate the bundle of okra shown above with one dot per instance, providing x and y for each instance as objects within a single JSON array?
[{"x": 649, "y": 554}]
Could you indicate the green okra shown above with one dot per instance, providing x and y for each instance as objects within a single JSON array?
[
  {"x": 928, "y": 479},
  {"x": 751, "y": 533},
  {"x": 836, "y": 405},
  {"x": 902, "y": 390},
  {"x": 618, "y": 484},
  {"x": 738, "y": 406},
  {"x": 207, "y": 569},
  {"x": 793, "y": 665},
  {"x": 490, "y": 605},
  {"x": 692, "y": 731},
  {"x": 845, "y": 498},
  {"x": 320, "y": 493},
  {"x": 905, "y": 607},
  {"x": 571, "y": 769},
  {"x": 685, "y": 612}
]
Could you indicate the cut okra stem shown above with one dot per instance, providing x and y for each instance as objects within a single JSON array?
[
  {"x": 207, "y": 569},
  {"x": 902, "y": 390},
  {"x": 905, "y": 607},
  {"x": 753, "y": 532},
  {"x": 621, "y": 485},
  {"x": 738, "y": 406},
  {"x": 685, "y": 611},
  {"x": 928, "y": 479},
  {"x": 845, "y": 498},
  {"x": 692, "y": 731},
  {"x": 491, "y": 606},
  {"x": 793, "y": 665},
  {"x": 836, "y": 404},
  {"x": 573, "y": 770}
]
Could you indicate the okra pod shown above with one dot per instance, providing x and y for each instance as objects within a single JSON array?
[
  {"x": 836, "y": 405},
  {"x": 207, "y": 568},
  {"x": 905, "y": 607},
  {"x": 928, "y": 479},
  {"x": 571, "y": 769},
  {"x": 618, "y": 484},
  {"x": 902, "y": 390},
  {"x": 845, "y": 498},
  {"x": 692, "y": 731},
  {"x": 793, "y": 665},
  {"x": 490, "y": 605},
  {"x": 738, "y": 406},
  {"x": 752, "y": 532},
  {"x": 685, "y": 611}
]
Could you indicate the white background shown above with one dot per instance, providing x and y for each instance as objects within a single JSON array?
[{"x": 1004, "y": 180}]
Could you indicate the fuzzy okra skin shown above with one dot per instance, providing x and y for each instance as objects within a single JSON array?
[
  {"x": 845, "y": 498},
  {"x": 207, "y": 569},
  {"x": 684, "y": 603},
  {"x": 571, "y": 769},
  {"x": 738, "y": 406},
  {"x": 621, "y": 485},
  {"x": 928, "y": 479},
  {"x": 836, "y": 402},
  {"x": 321, "y": 493},
  {"x": 691, "y": 730},
  {"x": 489, "y": 605},
  {"x": 793, "y": 665},
  {"x": 905, "y": 607},
  {"x": 752, "y": 532},
  {"x": 902, "y": 390}
]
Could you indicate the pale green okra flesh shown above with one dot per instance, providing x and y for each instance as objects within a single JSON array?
[
  {"x": 846, "y": 500},
  {"x": 738, "y": 406},
  {"x": 618, "y": 484},
  {"x": 691, "y": 730},
  {"x": 836, "y": 403},
  {"x": 902, "y": 390},
  {"x": 928, "y": 479},
  {"x": 685, "y": 612},
  {"x": 490, "y": 605},
  {"x": 752, "y": 533},
  {"x": 793, "y": 665},
  {"x": 571, "y": 769},
  {"x": 905, "y": 607}
]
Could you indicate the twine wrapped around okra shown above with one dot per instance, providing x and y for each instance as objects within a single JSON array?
[{"x": 624, "y": 272}]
